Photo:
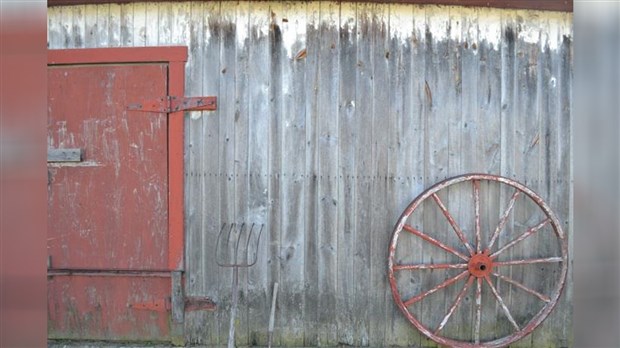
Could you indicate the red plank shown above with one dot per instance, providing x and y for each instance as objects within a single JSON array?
[
  {"x": 90, "y": 303},
  {"x": 118, "y": 55},
  {"x": 175, "y": 169}
]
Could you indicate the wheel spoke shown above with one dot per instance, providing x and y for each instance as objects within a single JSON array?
[
  {"x": 433, "y": 241},
  {"x": 452, "y": 222},
  {"x": 446, "y": 283},
  {"x": 503, "y": 219},
  {"x": 528, "y": 262},
  {"x": 455, "y": 305},
  {"x": 525, "y": 234},
  {"x": 430, "y": 266},
  {"x": 522, "y": 287},
  {"x": 502, "y": 304},
  {"x": 478, "y": 309},
  {"x": 476, "y": 185}
]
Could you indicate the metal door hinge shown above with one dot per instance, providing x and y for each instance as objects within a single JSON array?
[
  {"x": 199, "y": 304},
  {"x": 190, "y": 304},
  {"x": 174, "y": 104},
  {"x": 159, "y": 305}
]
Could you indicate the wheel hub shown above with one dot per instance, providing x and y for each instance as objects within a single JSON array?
[{"x": 480, "y": 265}]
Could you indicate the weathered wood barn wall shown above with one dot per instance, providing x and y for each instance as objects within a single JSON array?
[{"x": 332, "y": 117}]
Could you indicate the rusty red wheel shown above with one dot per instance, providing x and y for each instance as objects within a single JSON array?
[{"x": 482, "y": 261}]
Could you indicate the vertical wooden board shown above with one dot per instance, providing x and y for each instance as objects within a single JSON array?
[
  {"x": 456, "y": 198},
  {"x": 293, "y": 19},
  {"x": 327, "y": 143},
  {"x": 91, "y": 30},
  {"x": 103, "y": 13},
  {"x": 275, "y": 158},
  {"x": 556, "y": 169},
  {"x": 139, "y": 24},
  {"x": 492, "y": 200},
  {"x": 54, "y": 28},
  {"x": 126, "y": 25},
  {"x": 369, "y": 23},
  {"x": 114, "y": 25},
  {"x": 526, "y": 154},
  {"x": 314, "y": 45},
  {"x": 78, "y": 30},
  {"x": 151, "y": 34},
  {"x": 259, "y": 287},
  {"x": 165, "y": 23},
  {"x": 406, "y": 157},
  {"x": 508, "y": 124},
  {"x": 437, "y": 115},
  {"x": 66, "y": 25},
  {"x": 240, "y": 169},
  {"x": 180, "y": 30},
  {"x": 374, "y": 229},
  {"x": 212, "y": 144},
  {"x": 228, "y": 72},
  {"x": 565, "y": 148},
  {"x": 347, "y": 134},
  {"x": 196, "y": 176}
]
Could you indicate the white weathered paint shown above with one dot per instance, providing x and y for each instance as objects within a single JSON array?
[
  {"x": 490, "y": 27},
  {"x": 401, "y": 22}
]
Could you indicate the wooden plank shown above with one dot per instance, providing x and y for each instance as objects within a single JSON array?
[
  {"x": 139, "y": 24},
  {"x": 260, "y": 286},
  {"x": 228, "y": 71},
  {"x": 126, "y": 25},
  {"x": 151, "y": 34},
  {"x": 180, "y": 27},
  {"x": 376, "y": 227},
  {"x": 240, "y": 168},
  {"x": 78, "y": 31},
  {"x": 197, "y": 326},
  {"x": 211, "y": 141},
  {"x": 327, "y": 143},
  {"x": 114, "y": 25},
  {"x": 314, "y": 46},
  {"x": 492, "y": 199},
  {"x": 369, "y": 21},
  {"x": 66, "y": 26},
  {"x": 54, "y": 30},
  {"x": 165, "y": 23},
  {"x": 347, "y": 132},
  {"x": 293, "y": 26},
  {"x": 275, "y": 159},
  {"x": 463, "y": 25},
  {"x": 103, "y": 22},
  {"x": 437, "y": 112},
  {"x": 90, "y": 26},
  {"x": 507, "y": 128},
  {"x": 527, "y": 136},
  {"x": 64, "y": 155}
]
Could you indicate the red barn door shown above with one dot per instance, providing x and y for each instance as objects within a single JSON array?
[{"x": 115, "y": 230}]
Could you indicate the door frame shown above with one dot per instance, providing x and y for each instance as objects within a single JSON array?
[{"x": 175, "y": 57}]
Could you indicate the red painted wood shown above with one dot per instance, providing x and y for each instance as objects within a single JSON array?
[
  {"x": 175, "y": 173},
  {"x": 123, "y": 245},
  {"x": 162, "y": 54},
  {"x": 101, "y": 308},
  {"x": 111, "y": 210},
  {"x": 550, "y": 5}
]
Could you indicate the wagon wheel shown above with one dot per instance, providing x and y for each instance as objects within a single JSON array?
[{"x": 478, "y": 262}]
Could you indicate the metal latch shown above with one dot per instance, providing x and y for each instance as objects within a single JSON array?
[
  {"x": 174, "y": 104},
  {"x": 160, "y": 305}
]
